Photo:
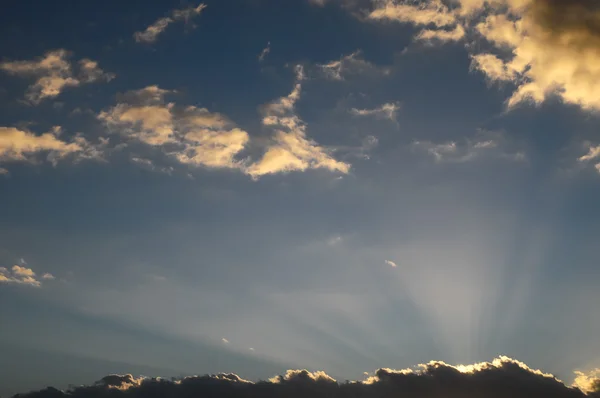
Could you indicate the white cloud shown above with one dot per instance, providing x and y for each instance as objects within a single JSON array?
[
  {"x": 350, "y": 65},
  {"x": 334, "y": 240},
  {"x": 384, "y": 111},
  {"x": 22, "y": 275},
  {"x": 224, "y": 340},
  {"x": 291, "y": 149},
  {"x": 391, "y": 263},
  {"x": 48, "y": 276},
  {"x": 151, "y": 33},
  {"x": 54, "y": 73}
]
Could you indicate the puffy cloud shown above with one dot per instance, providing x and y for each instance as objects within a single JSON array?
[
  {"x": 22, "y": 275},
  {"x": 351, "y": 65},
  {"x": 199, "y": 137},
  {"x": 485, "y": 144},
  {"x": 384, "y": 111},
  {"x": 151, "y": 33},
  {"x": 503, "y": 377},
  {"x": 291, "y": 149},
  {"x": 54, "y": 73}
]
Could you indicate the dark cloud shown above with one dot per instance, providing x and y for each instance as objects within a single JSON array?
[
  {"x": 501, "y": 378},
  {"x": 577, "y": 20}
]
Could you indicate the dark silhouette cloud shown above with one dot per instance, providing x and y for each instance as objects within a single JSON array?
[{"x": 501, "y": 378}]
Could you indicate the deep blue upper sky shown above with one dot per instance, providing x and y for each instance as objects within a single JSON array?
[{"x": 361, "y": 196}]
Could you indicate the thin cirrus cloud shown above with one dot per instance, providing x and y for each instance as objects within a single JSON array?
[
  {"x": 54, "y": 72},
  {"x": 502, "y": 377},
  {"x": 153, "y": 31},
  {"x": 265, "y": 52},
  {"x": 23, "y": 275}
]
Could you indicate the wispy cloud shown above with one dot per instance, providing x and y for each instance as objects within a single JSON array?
[
  {"x": 263, "y": 54},
  {"x": 351, "y": 65},
  {"x": 54, "y": 73},
  {"x": 384, "y": 111},
  {"x": 151, "y": 33},
  {"x": 291, "y": 149},
  {"x": 391, "y": 263}
]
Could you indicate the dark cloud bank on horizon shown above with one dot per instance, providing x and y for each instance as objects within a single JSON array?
[{"x": 503, "y": 378}]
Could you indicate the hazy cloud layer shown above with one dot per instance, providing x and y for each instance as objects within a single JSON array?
[{"x": 503, "y": 377}]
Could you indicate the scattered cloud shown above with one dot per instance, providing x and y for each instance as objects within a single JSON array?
[
  {"x": 54, "y": 73},
  {"x": 263, "y": 54},
  {"x": 351, "y": 65},
  {"x": 190, "y": 135},
  {"x": 290, "y": 149},
  {"x": 544, "y": 48},
  {"x": 22, "y": 275},
  {"x": 224, "y": 340},
  {"x": 384, "y": 111},
  {"x": 391, "y": 263},
  {"x": 503, "y": 377},
  {"x": 25, "y": 146},
  {"x": 151, "y": 33}
]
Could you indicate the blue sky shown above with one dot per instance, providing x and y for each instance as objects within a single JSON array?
[{"x": 256, "y": 185}]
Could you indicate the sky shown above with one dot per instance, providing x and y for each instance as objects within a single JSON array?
[{"x": 252, "y": 186}]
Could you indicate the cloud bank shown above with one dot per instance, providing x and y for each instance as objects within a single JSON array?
[{"x": 503, "y": 377}]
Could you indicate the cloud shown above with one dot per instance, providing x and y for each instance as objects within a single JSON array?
[
  {"x": 151, "y": 33},
  {"x": 587, "y": 382},
  {"x": 263, "y": 54},
  {"x": 22, "y": 275},
  {"x": 191, "y": 135},
  {"x": 290, "y": 148},
  {"x": 22, "y": 145},
  {"x": 440, "y": 35},
  {"x": 224, "y": 340},
  {"x": 484, "y": 145},
  {"x": 544, "y": 48},
  {"x": 384, "y": 111},
  {"x": 503, "y": 377},
  {"x": 351, "y": 65},
  {"x": 391, "y": 263},
  {"x": 54, "y": 73}
]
